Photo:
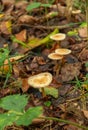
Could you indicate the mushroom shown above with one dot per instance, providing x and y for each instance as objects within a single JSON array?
[
  {"x": 40, "y": 81},
  {"x": 62, "y": 51},
  {"x": 58, "y": 37},
  {"x": 56, "y": 57},
  {"x": 76, "y": 12}
]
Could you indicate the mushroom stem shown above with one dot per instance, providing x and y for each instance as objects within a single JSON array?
[
  {"x": 43, "y": 92},
  {"x": 58, "y": 68}
]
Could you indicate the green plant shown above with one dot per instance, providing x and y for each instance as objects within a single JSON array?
[
  {"x": 82, "y": 84},
  {"x": 16, "y": 113},
  {"x": 34, "y": 5},
  {"x": 14, "y": 39},
  {"x": 79, "y": 4},
  {"x": 4, "y": 55}
]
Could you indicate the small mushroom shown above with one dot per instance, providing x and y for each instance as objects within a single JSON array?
[
  {"x": 40, "y": 81},
  {"x": 62, "y": 51},
  {"x": 76, "y": 12},
  {"x": 56, "y": 57},
  {"x": 58, "y": 37}
]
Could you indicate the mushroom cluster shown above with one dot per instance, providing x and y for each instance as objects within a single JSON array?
[{"x": 59, "y": 55}]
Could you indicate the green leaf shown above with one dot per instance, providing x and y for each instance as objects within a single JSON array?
[
  {"x": 14, "y": 102},
  {"x": 46, "y": 5},
  {"x": 86, "y": 64},
  {"x": 33, "y": 6},
  {"x": 4, "y": 53},
  {"x": 27, "y": 118},
  {"x": 84, "y": 24},
  {"x": 47, "y": 103},
  {"x": 72, "y": 33},
  {"x": 51, "y": 1},
  {"x": 6, "y": 120},
  {"x": 51, "y": 91},
  {"x": 14, "y": 39}
]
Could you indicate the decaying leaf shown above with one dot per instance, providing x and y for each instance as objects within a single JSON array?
[
  {"x": 21, "y": 35},
  {"x": 5, "y": 27},
  {"x": 61, "y": 9},
  {"x": 83, "y": 56},
  {"x": 8, "y": 2},
  {"x": 6, "y": 66},
  {"x": 26, "y": 19},
  {"x": 21, "y": 5},
  {"x": 69, "y": 71},
  {"x": 25, "y": 85},
  {"x": 83, "y": 32},
  {"x": 85, "y": 112}
]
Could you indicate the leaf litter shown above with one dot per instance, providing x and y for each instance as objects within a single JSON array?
[{"x": 27, "y": 35}]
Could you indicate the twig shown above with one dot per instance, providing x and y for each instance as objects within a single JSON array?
[{"x": 51, "y": 27}]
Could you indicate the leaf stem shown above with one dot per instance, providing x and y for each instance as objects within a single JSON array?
[{"x": 65, "y": 121}]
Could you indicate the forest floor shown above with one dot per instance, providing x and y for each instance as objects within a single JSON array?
[{"x": 25, "y": 36}]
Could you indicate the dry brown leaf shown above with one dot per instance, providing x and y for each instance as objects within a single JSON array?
[
  {"x": 26, "y": 19},
  {"x": 8, "y": 2},
  {"x": 85, "y": 112},
  {"x": 25, "y": 85},
  {"x": 69, "y": 71},
  {"x": 21, "y": 5},
  {"x": 5, "y": 68},
  {"x": 21, "y": 35},
  {"x": 16, "y": 71},
  {"x": 60, "y": 8},
  {"x": 70, "y": 127},
  {"x": 83, "y": 32},
  {"x": 83, "y": 56},
  {"x": 5, "y": 27}
]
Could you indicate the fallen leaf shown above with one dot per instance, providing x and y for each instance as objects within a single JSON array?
[
  {"x": 8, "y": 2},
  {"x": 26, "y": 19},
  {"x": 6, "y": 66},
  {"x": 85, "y": 112},
  {"x": 83, "y": 56},
  {"x": 82, "y": 32},
  {"x": 5, "y": 27},
  {"x": 1, "y": 16},
  {"x": 21, "y": 35},
  {"x": 25, "y": 85},
  {"x": 69, "y": 71},
  {"x": 21, "y": 5}
]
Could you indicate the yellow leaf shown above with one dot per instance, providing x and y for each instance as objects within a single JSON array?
[
  {"x": 1, "y": 15},
  {"x": 8, "y": 25}
]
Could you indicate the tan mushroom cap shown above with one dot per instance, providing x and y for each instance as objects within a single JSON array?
[
  {"x": 62, "y": 51},
  {"x": 40, "y": 80},
  {"x": 58, "y": 36},
  {"x": 55, "y": 56},
  {"x": 76, "y": 11}
]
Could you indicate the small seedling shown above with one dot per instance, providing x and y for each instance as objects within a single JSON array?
[{"x": 15, "y": 106}]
